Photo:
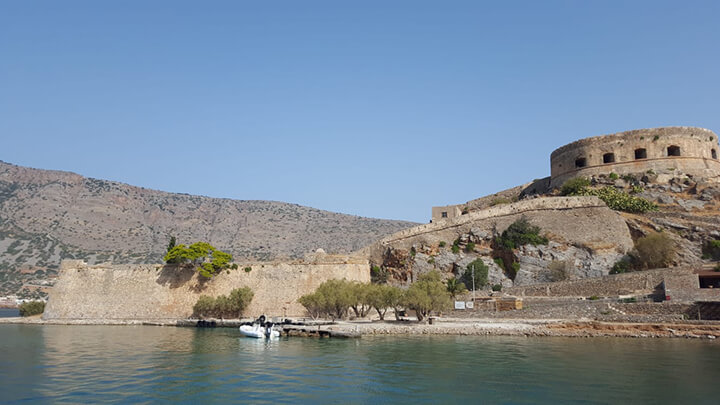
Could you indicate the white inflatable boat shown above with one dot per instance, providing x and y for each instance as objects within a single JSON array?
[{"x": 260, "y": 329}]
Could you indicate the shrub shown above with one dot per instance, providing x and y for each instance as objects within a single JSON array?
[
  {"x": 559, "y": 270},
  {"x": 455, "y": 287},
  {"x": 470, "y": 247},
  {"x": 413, "y": 252},
  {"x": 247, "y": 269},
  {"x": 614, "y": 176},
  {"x": 653, "y": 251},
  {"x": 431, "y": 260},
  {"x": 481, "y": 274},
  {"x": 497, "y": 287},
  {"x": 593, "y": 298},
  {"x": 574, "y": 186},
  {"x": 515, "y": 268},
  {"x": 223, "y": 306},
  {"x": 442, "y": 244},
  {"x": 31, "y": 308},
  {"x": 519, "y": 233},
  {"x": 623, "y": 265},
  {"x": 499, "y": 261},
  {"x": 455, "y": 249},
  {"x": 378, "y": 275},
  {"x": 711, "y": 249},
  {"x": 234, "y": 266},
  {"x": 620, "y": 200}
]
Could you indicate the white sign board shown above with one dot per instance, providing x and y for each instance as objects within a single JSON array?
[
  {"x": 469, "y": 305},
  {"x": 459, "y": 304}
]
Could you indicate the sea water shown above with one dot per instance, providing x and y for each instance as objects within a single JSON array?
[{"x": 142, "y": 364}]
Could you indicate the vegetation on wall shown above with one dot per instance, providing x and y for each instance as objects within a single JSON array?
[
  {"x": 209, "y": 260},
  {"x": 615, "y": 199},
  {"x": 519, "y": 233},
  {"x": 230, "y": 306}
]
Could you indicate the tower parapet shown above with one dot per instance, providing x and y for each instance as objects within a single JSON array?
[{"x": 691, "y": 150}]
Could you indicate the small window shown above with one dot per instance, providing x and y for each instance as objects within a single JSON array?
[
  {"x": 443, "y": 214},
  {"x": 609, "y": 158},
  {"x": 640, "y": 153},
  {"x": 673, "y": 150},
  {"x": 580, "y": 162},
  {"x": 713, "y": 153}
]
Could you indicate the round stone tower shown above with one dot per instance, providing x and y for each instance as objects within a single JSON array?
[{"x": 690, "y": 150}]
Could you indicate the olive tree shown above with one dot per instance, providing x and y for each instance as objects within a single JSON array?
[{"x": 427, "y": 294}]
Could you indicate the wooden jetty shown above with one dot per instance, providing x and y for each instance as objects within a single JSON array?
[{"x": 294, "y": 328}]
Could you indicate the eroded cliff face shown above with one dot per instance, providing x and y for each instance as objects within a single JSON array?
[{"x": 585, "y": 239}]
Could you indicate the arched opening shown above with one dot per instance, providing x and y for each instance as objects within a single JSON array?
[
  {"x": 580, "y": 162},
  {"x": 673, "y": 150},
  {"x": 609, "y": 158},
  {"x": 713, "y": 153},
  {"x": 640, "y": 153}
]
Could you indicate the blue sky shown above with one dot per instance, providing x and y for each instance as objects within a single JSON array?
[{"x": 372, "y": 108}]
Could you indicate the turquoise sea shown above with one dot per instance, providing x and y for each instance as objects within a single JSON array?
[{"x": 146, "y": 364}]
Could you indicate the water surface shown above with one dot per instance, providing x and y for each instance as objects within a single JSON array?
[{"x": 54, "y": 363}]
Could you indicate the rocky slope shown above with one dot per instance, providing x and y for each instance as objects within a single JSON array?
[
  {"x": 47, "y": 216},
  {"x": 583, "y": 242}
]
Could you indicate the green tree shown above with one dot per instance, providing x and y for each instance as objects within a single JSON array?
[
  {"x": 359, "y": 297},
  {"x": 382, "y": 296},
  {"x": 481, "y": 274},
  {"x": 209, "y": 261},
  {"x": 427, "y": 294},
  {"x": 337, "y": 297},
  {"x": 314, "y": 303},
  {"x": 455, "y": 287}
]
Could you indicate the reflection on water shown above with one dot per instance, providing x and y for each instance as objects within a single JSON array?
[{"x": 150, "y": 364}]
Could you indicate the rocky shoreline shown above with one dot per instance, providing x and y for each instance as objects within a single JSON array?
[{"x": 459, "y": 327}]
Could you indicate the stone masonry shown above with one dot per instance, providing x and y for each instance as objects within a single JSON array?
[{"x": 138, "y": 292}]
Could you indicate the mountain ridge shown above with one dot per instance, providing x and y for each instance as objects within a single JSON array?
[{"x": 50, "y": 215}]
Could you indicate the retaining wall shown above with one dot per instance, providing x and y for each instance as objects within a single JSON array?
[{"x": 640, "y": 282}]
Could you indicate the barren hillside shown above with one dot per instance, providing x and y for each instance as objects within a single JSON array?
[{"x": 46, "y": 216}]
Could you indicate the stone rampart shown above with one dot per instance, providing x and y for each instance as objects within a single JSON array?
[
  {"x": 691, "y": 150},
  {"x": 583, "y": 221},
  {"x": 147, "y": 292},
  {"x": 641, "y": 282}
]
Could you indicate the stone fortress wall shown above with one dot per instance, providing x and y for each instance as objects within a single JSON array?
[
  {"x": 691, "y": 150},
  {"x": 586, "y": 221},
  {"x": 153, "y": 292}
]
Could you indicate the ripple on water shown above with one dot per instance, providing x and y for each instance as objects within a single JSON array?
[{"x": 150, "y": 364}]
